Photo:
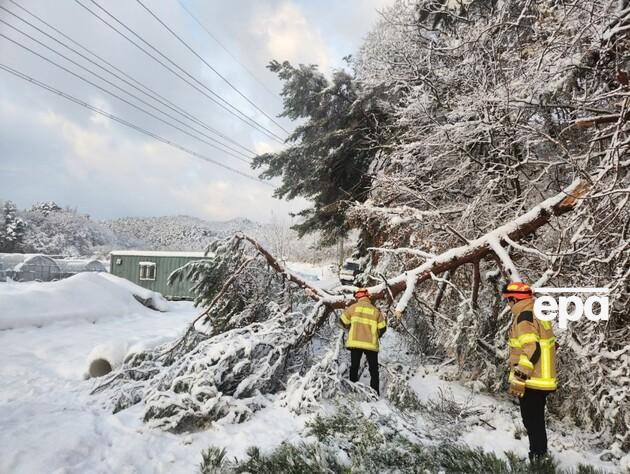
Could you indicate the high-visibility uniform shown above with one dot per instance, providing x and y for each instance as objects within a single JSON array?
[
  {"x": 532, "y": 348},
  {"x": 365, "y": 321}
]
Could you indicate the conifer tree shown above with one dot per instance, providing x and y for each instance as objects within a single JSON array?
[
  {"x": 331, "y": 153},
  {"x": 12, "y": 229}
]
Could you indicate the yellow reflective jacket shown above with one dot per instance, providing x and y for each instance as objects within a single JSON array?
[
  {"x": 365, "y": 321},
  {"x": 532, "y": 347}
]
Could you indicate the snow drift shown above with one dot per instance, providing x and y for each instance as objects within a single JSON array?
[{"x": 86, "y": 296}]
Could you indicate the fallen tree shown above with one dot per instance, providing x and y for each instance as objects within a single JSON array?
[
  {"x": 494, "y": 108},
  {"x": 238, "y": 350}
]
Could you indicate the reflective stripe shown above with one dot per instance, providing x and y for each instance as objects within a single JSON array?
[
  {"x": 545, "y": 362},
  {"x": 527, "y": 338},
  {"x": 535, "y": 382},
  {"x": 545, "y": 357},
  {"x": 381, "y": 325},
  {"x": 361, "y": 345},
  {"x": 513, "y": 342},
  {"x": 364, "y": 310},
  {"x": 545, "y": 324},
  {"x": 548, "y": 342},
  {"x": 344, "y": 318},
  {"x": 524, "y": 361},
  {"x": 370, "y": 322},
  {"x": 544, "y": 384}
]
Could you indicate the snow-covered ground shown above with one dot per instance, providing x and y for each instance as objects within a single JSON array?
[
  {"x": 321, "y": 276},
  {"x": 86, "y": 296},
  {"x": 51, "y": 424},
  {"x": 497, "y": 423}
]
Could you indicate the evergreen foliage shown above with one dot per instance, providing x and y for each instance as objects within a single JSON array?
[
  {"x": 349, "y": 442},
  {"x": 330, "y": 154},
  {"x": 243, "y": 347},
  {"x": 12, "y": 229}
]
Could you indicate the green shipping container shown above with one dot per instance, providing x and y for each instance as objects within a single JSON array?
[{"x": 150, "y": 269}]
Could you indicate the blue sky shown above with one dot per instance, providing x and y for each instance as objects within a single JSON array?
[{"x": 51, "y": 149}]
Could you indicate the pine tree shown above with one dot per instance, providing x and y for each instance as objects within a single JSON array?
[
  {"x": 12, "y": 229},
  {"x": 332, "y": 152}
]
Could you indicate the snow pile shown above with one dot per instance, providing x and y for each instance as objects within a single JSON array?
[
  {"x": 86, "y": 296},
  {"x": 110, "y": 355},
  {"x": 322, "y": 276}
]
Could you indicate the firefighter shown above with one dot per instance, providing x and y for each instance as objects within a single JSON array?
[
  {"x": 532, "y": 364},
  {"x": 367, "y": 325}
]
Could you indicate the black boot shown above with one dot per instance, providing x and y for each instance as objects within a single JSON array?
[{"x": 541, "y": 463}]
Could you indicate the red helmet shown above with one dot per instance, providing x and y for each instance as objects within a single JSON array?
[
  {"x": 361, "y": 292},
  {"x": 517, "y": 290}
]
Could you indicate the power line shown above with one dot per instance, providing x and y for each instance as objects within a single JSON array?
[
  {"x": 216, "y": 40},
  {"x": 121, "y": 121},
  {"x": 151, "y": 93},
  {"x": 123, "y": 90},
  {"x": 115, "y": 95},
  {"x": 228, "y": 107},
  {"x": 209, "y": 65}
]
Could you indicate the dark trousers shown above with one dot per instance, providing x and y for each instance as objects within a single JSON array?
[
  {"x": 372, "y": 358},
  {"x": 533, "y": 413}
]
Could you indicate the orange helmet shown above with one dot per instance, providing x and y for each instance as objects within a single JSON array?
[
  {"x": 361, "y": 292},
  {"x": 517, "y": 290}
]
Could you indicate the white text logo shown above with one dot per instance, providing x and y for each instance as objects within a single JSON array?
[{"x": 548, "y": 308}]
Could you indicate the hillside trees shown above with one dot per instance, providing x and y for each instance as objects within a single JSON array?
[{"x": 12, "y": 228}]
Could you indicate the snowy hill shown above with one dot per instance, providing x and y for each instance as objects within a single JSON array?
[
  {"x": 173, "y": 232},
  {"x": 50, "y": 229}
]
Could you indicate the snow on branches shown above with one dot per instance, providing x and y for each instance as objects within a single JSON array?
[
  {"x": 500, "y": 105},
  {"x": 247, "y": 343}
]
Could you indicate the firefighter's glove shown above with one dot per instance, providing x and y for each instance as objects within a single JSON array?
[{"x": 517, "y": 384}]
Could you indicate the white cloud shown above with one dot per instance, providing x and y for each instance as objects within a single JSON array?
[
  {"x": 151, "y": 172},
  {"x": 52, "y": 149},
  {"x": 224, "y": 199},
  {"x": 288, "y": 35},
  {"x": 266, "y": 147}
]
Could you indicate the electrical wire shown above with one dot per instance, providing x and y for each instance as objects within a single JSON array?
[
  {"x": 220, "y": 101},
  {"x": 209, "y": 65},
  {"x": 233, "y": 56},
  {"x": 121, "y": 121},
  {"x": 129, "y": 79},
  {"x": 245, "y": 157},
  {"x": 116, "y": 96}
]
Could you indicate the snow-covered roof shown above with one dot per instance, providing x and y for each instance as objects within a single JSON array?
[
  {"x": 77, "y": 265},
  {"x": 154, "y": 253},
  {"x": 36, "y": 260}
]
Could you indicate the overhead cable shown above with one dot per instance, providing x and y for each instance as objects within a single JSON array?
[
  {"x": 210, "y": 94},
  {"x": 126, "y": 78},
  {"x": 121, "y": 121},
  {"x": 224, "y": 48},
  {"x": 228, "y": 82},
  {"x": 116, "y": 96}
]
